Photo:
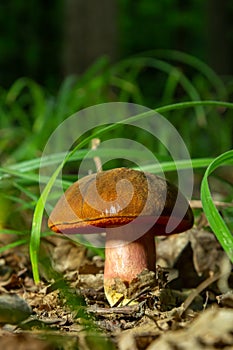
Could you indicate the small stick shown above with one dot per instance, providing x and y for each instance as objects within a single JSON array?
[
  {"x": 198, "y": 290},
  {"x": 197, "y": 204},
  {"x": 94, "y": 144},
  {"x": 124, "y": 310}
]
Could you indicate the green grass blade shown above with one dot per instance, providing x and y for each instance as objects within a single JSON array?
[
  {"x": 79, "y": 155},
  {"x": 13, "y": 245},
  {"x": 182, "y": 105},
  {"x": 196, "y": 63},
  {"x": 216, "y": 222},
  {"x": 177, "y": 165},
  {"x": 36, "y": 225},
  {"x": 13, "y": 232},
  {"x": 6, "y": 173},
  {"x": 168, "y": 68}
]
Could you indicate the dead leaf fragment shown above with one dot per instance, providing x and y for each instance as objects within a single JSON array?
[
  {"x": 226, "y": 299},
  {"x": 210, "y": 329},
  {"x": 207, "y": 251}
]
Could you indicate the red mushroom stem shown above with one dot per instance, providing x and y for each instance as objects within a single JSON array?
[{"x": 126, "y": 258}]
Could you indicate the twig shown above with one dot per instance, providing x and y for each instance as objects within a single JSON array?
[
  {"x": 146, "y": 289},
  {"x": 197, "y": 204},
  {"x": 94, "y": 144},
  {"x": 124, "y": 310},
  {"x": 197, "y": 291}
]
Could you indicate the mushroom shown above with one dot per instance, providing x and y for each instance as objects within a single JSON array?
[{"x": 132, "y": 207}]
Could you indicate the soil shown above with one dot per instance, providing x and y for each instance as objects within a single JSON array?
[{"x": 189, "y": 306}]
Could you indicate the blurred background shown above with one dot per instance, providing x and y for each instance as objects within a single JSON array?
[
  {"x": 48, "y": 40},
  {"x": 60, "y": 56}
]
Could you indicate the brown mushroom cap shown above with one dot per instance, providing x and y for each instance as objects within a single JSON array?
[{"x": 118, "y": 203}]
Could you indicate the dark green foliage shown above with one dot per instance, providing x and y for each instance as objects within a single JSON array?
[
  {"x": 30, "y": 42},
  {"x": 164, "y": 24}
]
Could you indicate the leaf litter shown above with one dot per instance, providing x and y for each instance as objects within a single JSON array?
[{"x": 189, "y": 306}]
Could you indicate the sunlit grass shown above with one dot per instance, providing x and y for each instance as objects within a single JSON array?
[{"x": 216, "y": 221}]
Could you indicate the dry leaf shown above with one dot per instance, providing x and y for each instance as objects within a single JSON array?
[{"x": 212, "y": 328}]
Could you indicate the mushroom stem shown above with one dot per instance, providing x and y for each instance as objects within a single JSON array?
[{"x": 126, "y": 258}]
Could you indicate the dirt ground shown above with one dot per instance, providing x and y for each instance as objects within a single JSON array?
[{"x": 189, "y": 306}]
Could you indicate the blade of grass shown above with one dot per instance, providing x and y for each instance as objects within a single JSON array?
[
  {"x": 13, "y": 232},
  {"x": 79, "y": 155},
  {"x": 196, "y": 63},
  {"x": 29, "y": 177},
  {"x": 27, "y": 192},
  {"x": 170, "y": 86},
  {"x": 13, "y": 244},
  {"x": 23, "y": 203},
  {"x": 7, "y": 171},
  {"x": 179, "y": 164},
  {"x": 19, "y": 241},
  {"x": 36, "y": 225},
  {"x": 168, "y": 68},
  {"x": 216, "y": 222},
  {"x": 182, "y": 105},
  {"x": 38, "y": 98}
]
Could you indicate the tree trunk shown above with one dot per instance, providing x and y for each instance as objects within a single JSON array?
[
  {"x": 90, "y": 32},
  {"x": 219, "y": 28}
]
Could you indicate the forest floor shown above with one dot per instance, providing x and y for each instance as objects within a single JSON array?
[{"x": 191, "y": 306}]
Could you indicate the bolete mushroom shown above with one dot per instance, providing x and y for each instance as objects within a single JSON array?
[{"x": 132, "y": 207}]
